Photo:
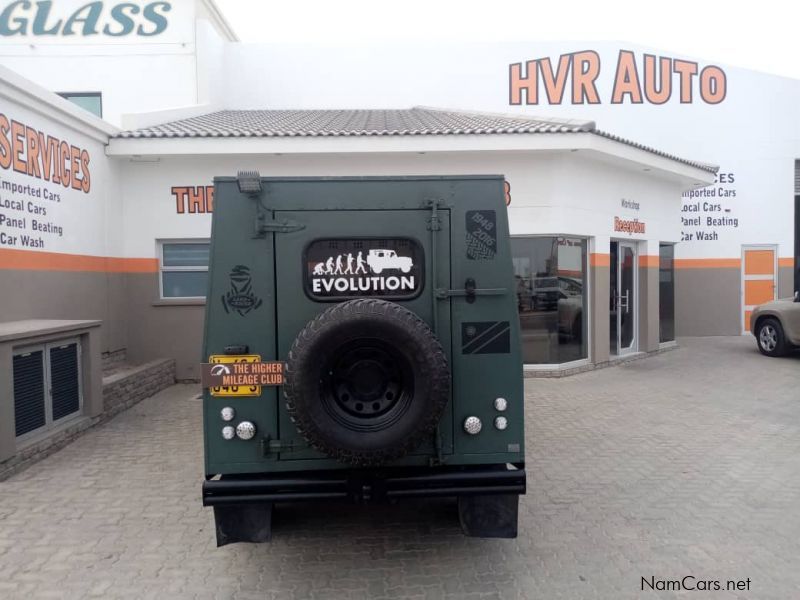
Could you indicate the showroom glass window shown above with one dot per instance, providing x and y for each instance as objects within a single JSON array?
[
  {"x": 796, "y": 240},
  {"x": 551, "y": 282},
  {"x": 666, "y": 293},
  {"x": 184, "y": 269},
  {"x": 91, "y": 101}
]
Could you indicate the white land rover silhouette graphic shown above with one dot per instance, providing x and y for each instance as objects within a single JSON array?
[{"x": 378, "y": 260}]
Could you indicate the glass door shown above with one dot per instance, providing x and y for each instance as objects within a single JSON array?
[
  {"x": 626, "y": 304},
  {"x": 613, "y": 288},
  {"x": 623, "y": 300}
]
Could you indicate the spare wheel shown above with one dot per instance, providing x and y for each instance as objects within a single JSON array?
[{"x": 366, "y": 381}]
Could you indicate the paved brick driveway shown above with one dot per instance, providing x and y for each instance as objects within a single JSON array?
[{"x": 683, "y": 464}]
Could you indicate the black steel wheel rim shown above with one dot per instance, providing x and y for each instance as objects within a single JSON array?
[{"x": 366, "y": 384}]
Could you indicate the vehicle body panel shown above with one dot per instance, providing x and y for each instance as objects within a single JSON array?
[
  {"x": 460, "y": 223},
  {"x": 786, "y": 311}
]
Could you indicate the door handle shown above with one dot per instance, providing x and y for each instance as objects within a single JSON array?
[{"x": 624, "y": 302}]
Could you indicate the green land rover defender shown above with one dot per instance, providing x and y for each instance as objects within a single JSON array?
[{"x": 361, "y": 344}]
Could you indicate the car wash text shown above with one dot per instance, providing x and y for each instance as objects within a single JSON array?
[{"x": 647, "y": 80}]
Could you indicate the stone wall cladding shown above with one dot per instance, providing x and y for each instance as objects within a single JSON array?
[
  {"x": 113, "y": 361},
  {"x": 121, "y": 390},
  {"x": 124, "y": 389}
]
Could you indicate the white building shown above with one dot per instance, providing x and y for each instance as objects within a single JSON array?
[{"x": 619, "y": 245}]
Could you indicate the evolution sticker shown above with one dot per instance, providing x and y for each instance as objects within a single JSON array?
[{"x": 337, "y": 269}]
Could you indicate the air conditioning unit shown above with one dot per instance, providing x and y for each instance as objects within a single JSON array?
[{"x": 47, "y": 386}]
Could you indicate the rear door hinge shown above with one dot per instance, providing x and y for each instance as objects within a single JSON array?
[
  {"x": 264, "y": 226},
  {"x": 434, "y": 222}
]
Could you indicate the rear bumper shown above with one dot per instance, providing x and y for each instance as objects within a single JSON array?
[{"x": 364, "y": 485}]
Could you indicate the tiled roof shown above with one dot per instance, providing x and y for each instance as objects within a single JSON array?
[
  {"x": 369, "y": 122},
  {"x": 313, "y": 123}
]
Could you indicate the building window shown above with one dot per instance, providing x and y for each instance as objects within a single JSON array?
[
  {"x": 91, "y": 101},
  {"x": 666, "y": 292},
  {"x": 797, "y": 243},
  {"x": 184, "y": 268},
  {"x": 551, "y": 281}
]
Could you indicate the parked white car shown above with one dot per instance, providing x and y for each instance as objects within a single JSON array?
[
  {"x": 378, "y": 260},
  {"x": 776, "y": 326}
]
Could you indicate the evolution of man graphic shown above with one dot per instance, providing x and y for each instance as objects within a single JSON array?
[{"x": 342, "y": 265}]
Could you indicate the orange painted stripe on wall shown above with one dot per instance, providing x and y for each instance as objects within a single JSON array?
[
  {"x": 649, "y": 261},
  {"x": 708, "y": 263},
  {"x": 598, "y": 259},
  {"x": 25, "y": 260},
  {"x": 721, "y": 263}
]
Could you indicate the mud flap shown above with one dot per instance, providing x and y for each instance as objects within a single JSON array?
[
  {"x": 490, "y": 516},
  {"x": 243, "y": 523}
]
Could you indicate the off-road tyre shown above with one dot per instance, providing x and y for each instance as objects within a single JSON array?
[{"x": 352, "y": 354}]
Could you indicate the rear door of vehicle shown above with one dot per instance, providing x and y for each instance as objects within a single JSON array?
[{"x": 327, "y": 260}]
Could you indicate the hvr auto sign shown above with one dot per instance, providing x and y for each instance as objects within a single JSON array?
[{"x": 651, "y": 80}]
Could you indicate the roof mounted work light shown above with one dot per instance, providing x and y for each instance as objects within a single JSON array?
[{"x": 249, "y": 182}]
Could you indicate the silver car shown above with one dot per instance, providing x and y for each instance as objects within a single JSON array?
[{"x": 776, "y": 326}]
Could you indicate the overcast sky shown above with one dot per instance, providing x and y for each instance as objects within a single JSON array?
[{"x": 758, "y": 35}]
